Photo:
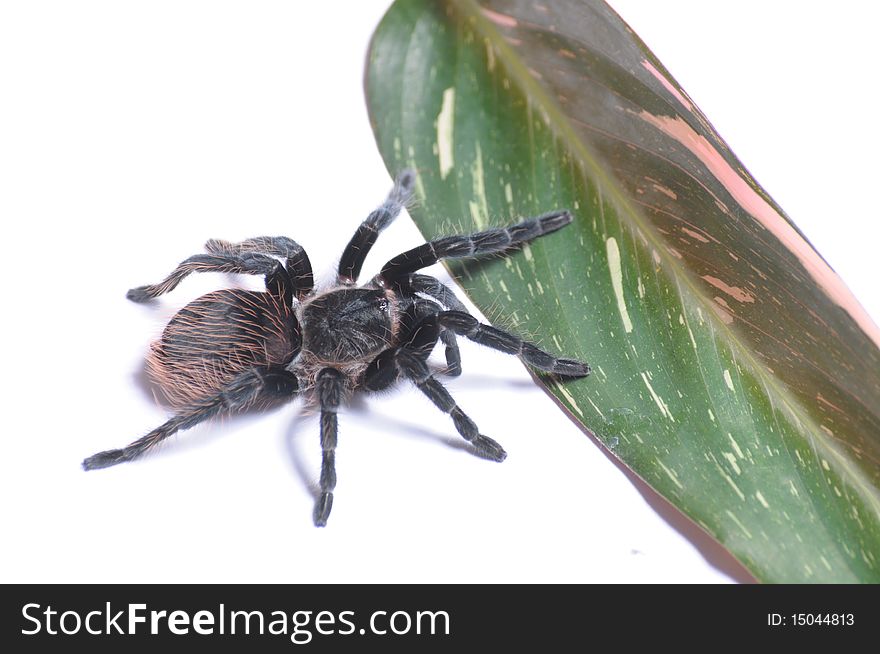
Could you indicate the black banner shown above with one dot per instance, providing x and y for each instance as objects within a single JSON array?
[{"x": 392, "y": 617}]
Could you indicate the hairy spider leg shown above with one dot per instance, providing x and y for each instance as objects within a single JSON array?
[
  {"x": 330, "y": 386},
  {"x": 435, "y": 289},
  {"x": 453, "y": 354},
  {"x": 414, "y": 308},
  {"x": 465, "y": 324},
  {"x": 247, "y": 263},
  {"x": 475, "y": 245},
  {"x": 264, "y": 383},
  {"x": 299, "y": 268},
  {"x": 365, "y": 236},
  {"x": 410, "y": 360}
]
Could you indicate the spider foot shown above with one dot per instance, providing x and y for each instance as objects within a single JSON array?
[
  {"x": 105, "y": 459},
  {"x": 489, "y": 448},
  {"x": 571, "y": 368},
  {"x": 322, "y": 509},
  {"x": 140, "y": 294}
]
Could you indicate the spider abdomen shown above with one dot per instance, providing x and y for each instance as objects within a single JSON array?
[{"x": 217, "y": 336}]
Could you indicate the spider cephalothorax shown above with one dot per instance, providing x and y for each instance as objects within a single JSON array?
[
  {"x": 347, "y": 323},
  {"x": 232, "y": 350}
]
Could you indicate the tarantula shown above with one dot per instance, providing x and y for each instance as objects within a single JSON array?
[{"x": 232, "y": 349}]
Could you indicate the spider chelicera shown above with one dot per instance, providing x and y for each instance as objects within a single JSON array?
[{"x": 232, "y": 349}]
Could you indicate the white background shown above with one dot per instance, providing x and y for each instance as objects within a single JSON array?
[{"x": 131, "y": 132}]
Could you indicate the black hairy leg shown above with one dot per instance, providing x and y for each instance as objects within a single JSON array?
[
  {"x": 461, "y": 247},
  {"x": 453, "y": 354},
  {"x": 414, "y": 309},
  {"x": 247, "y": 263},
  {"x": 364, "y": 238},
  {"x": 298, "y": 265},
  {"x": 410, "y": 360},
  {"x": 465, "y": 324},
  {"x": 435, "y": 289},
  {"x": 413, "y": 366},
  {"x": 330, "y": 386},
  {"x": 265, "y": 384}
]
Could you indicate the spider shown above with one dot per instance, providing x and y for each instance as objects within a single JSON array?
[{"x": 233, "y": 350}]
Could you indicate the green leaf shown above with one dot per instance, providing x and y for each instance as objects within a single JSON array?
[{"x": 733, "y": 369}]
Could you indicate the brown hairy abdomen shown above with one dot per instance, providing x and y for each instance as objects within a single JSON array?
[{"x": 216, "y": 337}]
